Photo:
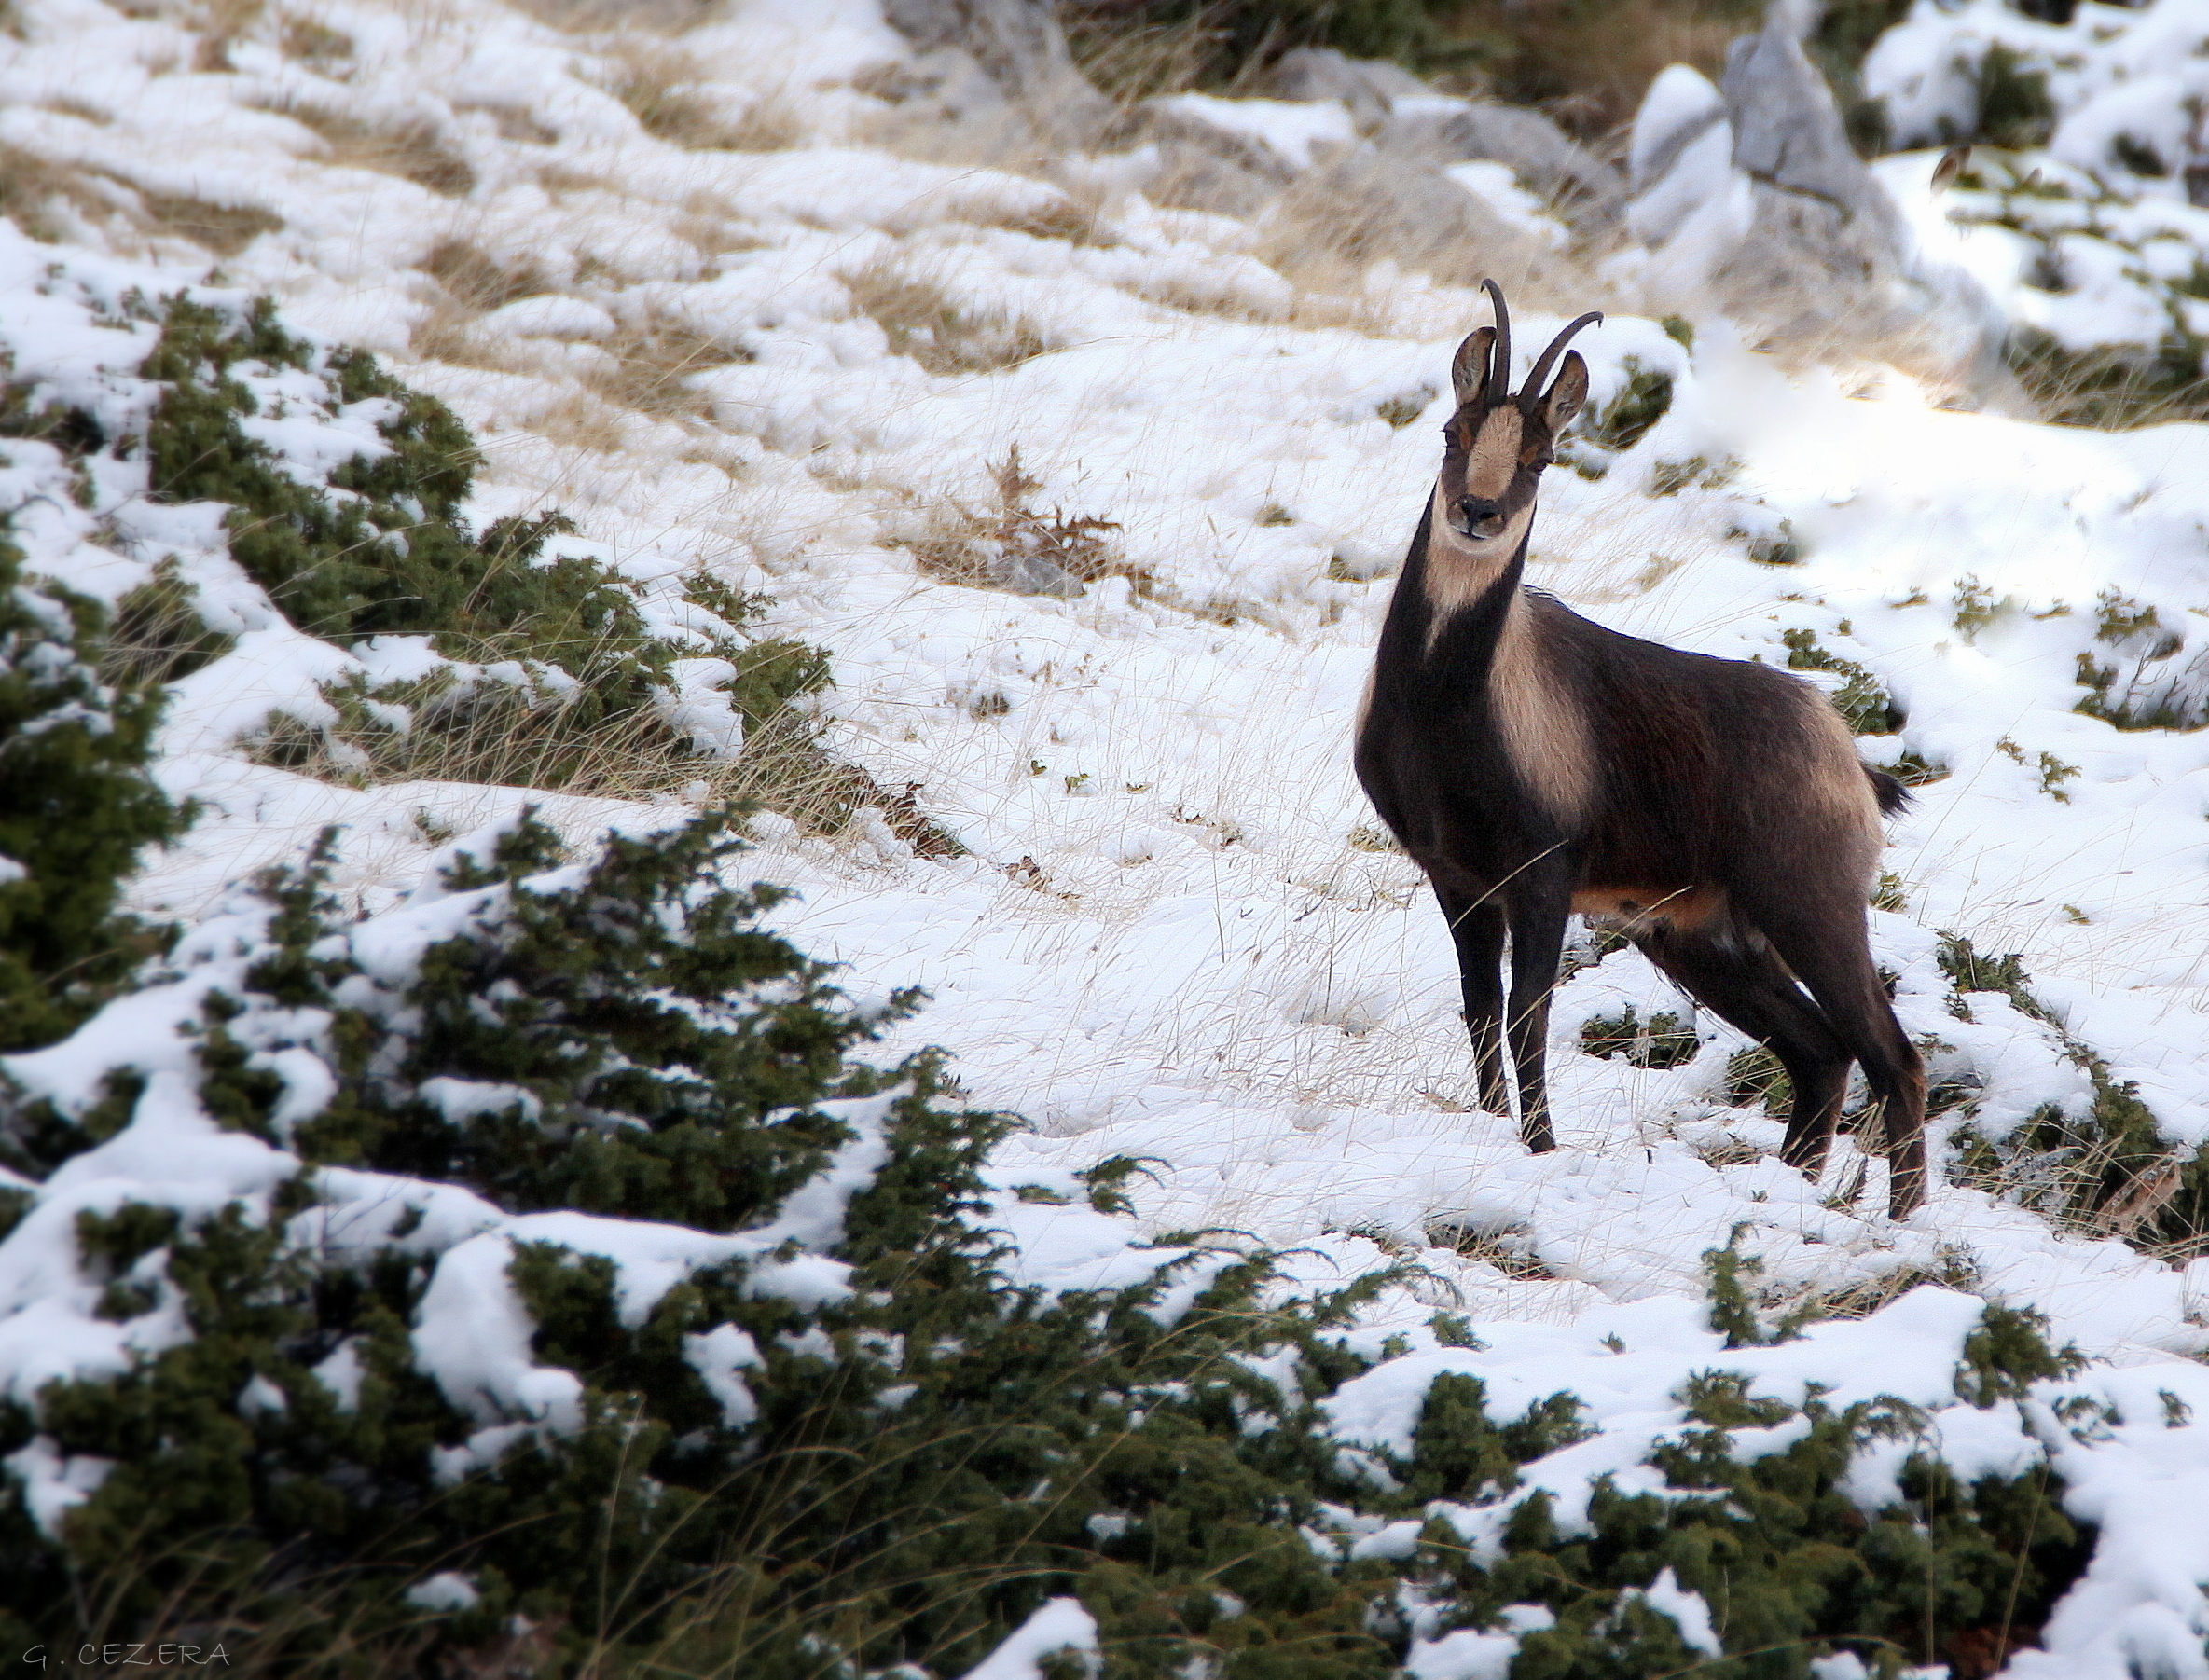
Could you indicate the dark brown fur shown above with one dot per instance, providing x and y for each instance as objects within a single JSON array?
[{"x": 1713, "y": 810}]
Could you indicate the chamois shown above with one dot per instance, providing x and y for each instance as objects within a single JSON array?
[{"x": 1534, "y": 764}]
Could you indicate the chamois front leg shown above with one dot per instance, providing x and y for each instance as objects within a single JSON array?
[
  {"x": 1476, "y": 928},
  {"x": 1540, "y": 901}
]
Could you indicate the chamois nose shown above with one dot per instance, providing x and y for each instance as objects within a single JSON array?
[{"x": 1482, "y": 517}]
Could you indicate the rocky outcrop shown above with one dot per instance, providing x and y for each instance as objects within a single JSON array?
[
  {"x": 1748, "y": 197},
  {"x": 1412, "y": 124},
  {"x": 1587, "y": 191},
  {"x": 1017, "y": 49},
  {"x": 1368, "y": 88}
]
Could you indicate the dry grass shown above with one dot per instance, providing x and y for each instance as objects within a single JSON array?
[
  {"x": 583, "y": 421},
  {"x": 35, "y": 192},
  {"x": 222, "y": 23},
  {"x": 654, "y": 358},
  {"x": 515, "y": 122},
  {"x": 1133, "y": 57},
  {"x": 70, "y": 105},
  {"x": 32, "y": 188},
  {"x": 660, "y": 17},
  {"x": 509, "y": 737},
  {"x": 996, "y": 548},
  {"x": 314, "y": 44},
  {"x": 224, "y": 230},
  {"x": 519, "y": 738},
  {"x": 664, "y": 88},
  {"x": 471, "y": 283},
  {"x": 157, "y": 635},
  {"x": 1329, "y": 228},
  {"x": 411, "y": 148},
  {"x": 946, "y": 337},
  {"x": 1589, "y": 65},
  {"x": 1510, "y": 1250}
]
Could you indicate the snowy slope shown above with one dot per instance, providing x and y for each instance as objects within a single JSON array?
[{"x": 1173, "y": 938}]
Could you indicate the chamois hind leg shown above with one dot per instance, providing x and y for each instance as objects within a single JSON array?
[
  {"x": 1539, "y": 906},
  {"x": 1745, "y": 984},
  {"x": 1476, "y": 928},
  {"x": 1825, "y": 945}
]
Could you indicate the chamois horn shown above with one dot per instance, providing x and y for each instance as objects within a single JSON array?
[
  {"x": 1530, "y": 394},
  {"x": 1499, "y": 352}
]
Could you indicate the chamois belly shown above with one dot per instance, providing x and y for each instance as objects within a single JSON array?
[{"x": 1636, "y": 909}]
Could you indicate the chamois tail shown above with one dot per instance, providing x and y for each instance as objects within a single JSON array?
[{"x": 1892, "y": 795}]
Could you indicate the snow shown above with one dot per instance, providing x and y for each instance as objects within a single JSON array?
[
  {"x": 1061, "y": 1625},
  {"x": 1170, "y": 940},
  {"x": 1688, "y": 1610},
  {"x": 449, "y": 1589}
]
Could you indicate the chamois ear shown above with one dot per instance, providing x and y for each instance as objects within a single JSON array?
[
  {"x": 1469, "y": 367},
  {"x": 1568, "y": 396}
]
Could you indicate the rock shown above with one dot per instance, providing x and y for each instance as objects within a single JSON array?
[
  {"x": 943, "y": 84},
  {"x": 1018, "y": 44},
  {"x": 1370, "y": 88},
  {"x": 1232, "y": 157},
  {"x": 1681, "y": 106},
  {"x": 1748, "y": 197},
  {"x": 1821, "y": 217},
  {"x": 1587, "y": 191},
  {"x": 1023, "y": 573},
  {"x": 1280, "y": 138}
]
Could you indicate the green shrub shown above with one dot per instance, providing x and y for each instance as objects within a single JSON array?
[
  {"x": 1661, "y": 1041},
  {"x": 916, "y": 1451},
  {"x": 1861, "y": 698},
  {"x": 77, "y": 803},
  {"x": 1788, "y": 1565},
  {"x": 2109, "y": 1169}
]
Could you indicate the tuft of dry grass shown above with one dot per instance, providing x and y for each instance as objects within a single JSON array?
[
  {"x": 157, "y": 635},
  {"x": 1508, "y": 1249},
  {"x": 515, "y": 122},
  {"x": 1132, "y": 56},
  {"x": 946, "y": 337},
  {"x": 222, "y": 23},
  {"x": 411, "y": 148},
  {"x": 584, "y": 421},
  {"x": 502, "y": 736},
  {"x": 654, "y": 358},
  {"x": 660, "y": 17},
  {"x": 1329, "y": 228},
  {"x": 311, "y": 42},
  {"x": 664, "y": 88},
  {"x": 471, "y": 283},
  {"x": 224, "y": 230},
  {"x": 68, "y": 105},
  {"x": 35, "y": 191},
  {"x": 1012, "y": 546},
  {"x": 32, "y": 188}
]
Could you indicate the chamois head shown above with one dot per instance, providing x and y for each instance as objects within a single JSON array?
[{"x": 1497, "y": 443}]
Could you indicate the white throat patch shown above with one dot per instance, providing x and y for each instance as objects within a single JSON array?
[{"x": 1461, "y": 569}]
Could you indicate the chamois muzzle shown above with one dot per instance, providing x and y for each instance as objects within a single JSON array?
[{"x": 1478, "y": 516}]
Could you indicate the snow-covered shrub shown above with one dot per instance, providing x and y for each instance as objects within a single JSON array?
[
  {"x": 2082, "y": 211},
  {"x": 530, "y": 1263},
  {"x": 2102, "y": 1163},
  {"x": 77, "y": 804},
  {"x": 167, "y": 438}
]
